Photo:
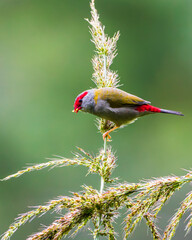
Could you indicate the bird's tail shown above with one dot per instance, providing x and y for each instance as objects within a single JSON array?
[
  {"x": 151, "y": 109},
  {"x": 171, "y": 112}
]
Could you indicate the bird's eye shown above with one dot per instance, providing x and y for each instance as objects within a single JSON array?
[{"x": 80, "y": 100}]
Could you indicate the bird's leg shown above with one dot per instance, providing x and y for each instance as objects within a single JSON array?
[{"x": 106, "y": 134}]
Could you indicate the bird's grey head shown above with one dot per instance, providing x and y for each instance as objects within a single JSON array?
[{"x": 85, "y": 101}]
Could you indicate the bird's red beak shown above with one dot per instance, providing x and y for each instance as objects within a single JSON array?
[{"x": 76, "y": 110}]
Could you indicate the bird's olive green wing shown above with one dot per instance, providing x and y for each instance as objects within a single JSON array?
[{"x": 118, "y": 98}]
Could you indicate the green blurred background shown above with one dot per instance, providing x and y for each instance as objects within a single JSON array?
[{"x": 45, "y": 62}]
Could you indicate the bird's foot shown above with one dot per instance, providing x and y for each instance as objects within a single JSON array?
[{"x": 106, "y": 135}]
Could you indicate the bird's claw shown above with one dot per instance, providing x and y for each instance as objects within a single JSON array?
[{"x": 106, "y": 135}]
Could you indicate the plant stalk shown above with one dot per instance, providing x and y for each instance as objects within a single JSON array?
[
  {"x": 101, "y": 185},
  {"x": 105, "y": 67},
  {"x": 104, "y": 148},
  {"x": 104, "y": 154}
]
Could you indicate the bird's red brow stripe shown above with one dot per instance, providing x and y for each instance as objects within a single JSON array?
[
  {"x": 80, "y": 97},
  {"x": 83, "y": 95},
  {"x": 148, "y": 108}
]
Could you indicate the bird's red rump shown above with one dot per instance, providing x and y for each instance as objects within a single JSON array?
[{"x": 148, "y": 108}]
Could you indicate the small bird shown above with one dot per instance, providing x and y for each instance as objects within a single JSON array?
[{"x": 115, "y": 105}]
